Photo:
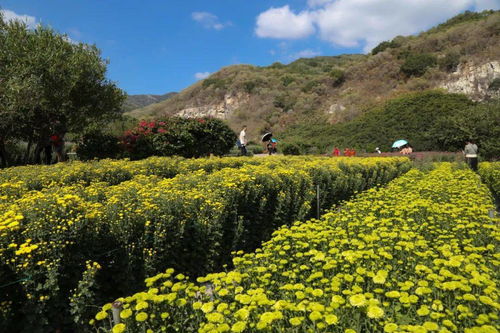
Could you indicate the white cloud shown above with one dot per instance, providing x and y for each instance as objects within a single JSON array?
[
  {"x": 352, "y": 23},
  {"x": 283, "y": 23},
  {"x": 317, "y": 3},
  {"x": 362, "y": 23},
  {"x": 201, "y": 75},
  {"x": 307, "y": 53},
  {"x": 9, "y": 15},
  {"x": 209, "y": 20}
]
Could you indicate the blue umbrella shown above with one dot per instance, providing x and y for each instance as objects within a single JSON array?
[{"x": 399, "y": 143}]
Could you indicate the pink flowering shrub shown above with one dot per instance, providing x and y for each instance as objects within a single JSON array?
[{"x": 194, "y": 137}]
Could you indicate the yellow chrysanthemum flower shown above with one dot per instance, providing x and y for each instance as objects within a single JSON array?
[
  {"x": 119, "y": 328},
  {"x": 375, "y": 312},
  {"x": 357, "y": 300},
  {"x": 141, "y": 316},
  {"x": 391, "y": 327},
  {"x": 239, "y": 326}
]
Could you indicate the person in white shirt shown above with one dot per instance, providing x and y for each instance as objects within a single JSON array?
[
  {"x": 470, "y": 152},
  {"x": 243, "y": 140}
]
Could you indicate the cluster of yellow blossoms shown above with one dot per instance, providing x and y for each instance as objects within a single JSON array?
[
  {"x": 420, "y": 255},
  {"x": 16, "y": 181},
  {"x": 135, "y": 219},
  {"x": 490, "y": 174}
]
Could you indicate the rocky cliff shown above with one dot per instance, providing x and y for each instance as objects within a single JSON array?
[{"x": 474, "y": 80}]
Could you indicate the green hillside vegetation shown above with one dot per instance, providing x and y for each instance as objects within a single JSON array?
[
  {"x": 430, "y": 120},
  {"x": 341, "y": 88},
  {"x": 139, "y": 101},
  {"x": 271, "y": 92}
]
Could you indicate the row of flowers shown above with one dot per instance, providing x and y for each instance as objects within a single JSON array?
[
  {"x": 420, "y": 255},
  {"x": 66, "y": 248},
  {"x": 490, "y": 174},
  {"x": 16, "y": 181}
]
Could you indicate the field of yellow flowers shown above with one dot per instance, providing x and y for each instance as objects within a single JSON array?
[
  {"x": 75, "y": 235},
  {"x": 420, "y": 255}
]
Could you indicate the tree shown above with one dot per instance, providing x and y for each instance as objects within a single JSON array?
[
  {"x": 49, "y": 84},
  {"x": 417, "y": 64},
  {"x": 385, "y": 45}
]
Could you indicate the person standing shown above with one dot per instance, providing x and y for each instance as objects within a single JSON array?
[
  {"x": 57, "y": 142},
  {"x": 243, "y": 140},
  {"x": 470, "y": 152}
]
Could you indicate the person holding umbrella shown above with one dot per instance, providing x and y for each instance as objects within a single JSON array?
[
  {"x": 274, "y": 143},
  {"x": 398, "y": 144},
  {"x": 267, "y": 138}
]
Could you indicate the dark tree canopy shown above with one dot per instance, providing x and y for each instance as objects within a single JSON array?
[{"x": 49, "y": 84}]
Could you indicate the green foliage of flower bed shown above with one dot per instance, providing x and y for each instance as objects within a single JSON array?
[{"x": 490, "y": 174}]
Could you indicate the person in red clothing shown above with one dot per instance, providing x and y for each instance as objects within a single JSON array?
[
  {"x": 58, "y": 146},
  {"x": 336, "y": 152}
]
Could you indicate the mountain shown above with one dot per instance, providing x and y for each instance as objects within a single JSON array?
[
  {"x": 139, "y": 101},
  {"x": 462, "y": 55}
]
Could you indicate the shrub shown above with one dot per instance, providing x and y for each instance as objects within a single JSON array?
[
  {"x": 310, "y": 86},
  {"x": 249, "y": 86},
  {"x": 180, "y": 136},
  {"x": 284, "y": 101},
  {"x": 277, "y": 65},
  {"x": 417, "y": 64},
  {"x": 291, "y": 149},
  {"x": 385, "y": 45},
  {"x": 338, "y": 77},
  {"x": 256, "y": 149},
  {"x": 286, "y": 80},
  {"x": 449, "y": 62},
  {"x": 215, "y": 83},
  {"x": 96, "y": 144},
  {"x": 495, "y": 84}
]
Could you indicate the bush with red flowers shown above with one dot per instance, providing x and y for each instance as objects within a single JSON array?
[{"x": 187, "y": 137}]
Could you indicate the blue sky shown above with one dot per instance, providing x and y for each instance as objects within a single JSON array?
[{"x": 158, "y": 46}]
